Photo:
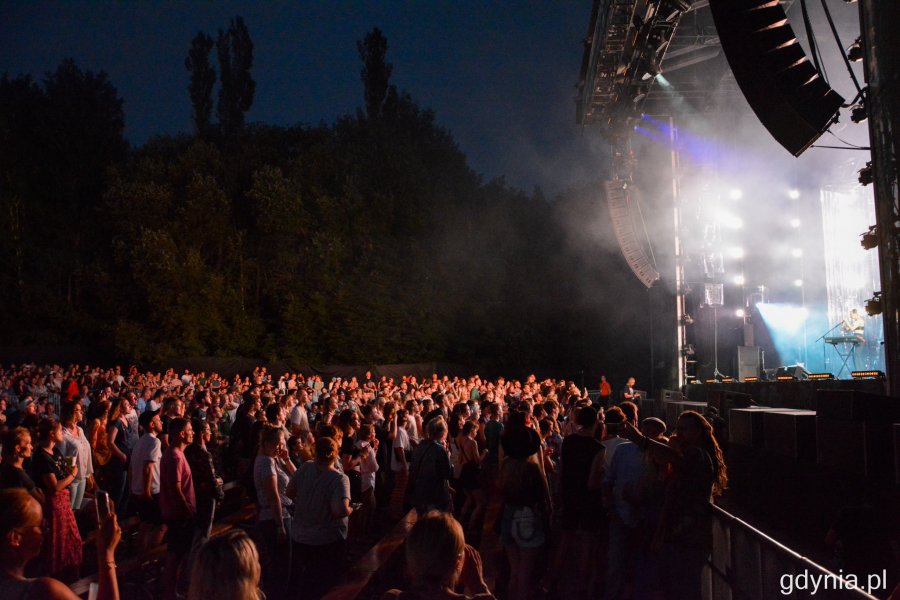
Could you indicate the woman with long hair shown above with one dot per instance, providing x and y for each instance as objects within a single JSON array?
[
  {"x": 116, "y": 470},
  {"x": 21, "y": 541},
  {"x": 99, "y": 414},
  {"x": 470, "y": 475},
  {"x": 76, "y": 445},
  {"x": 699, "y": 475},
  {"x": 226, "y": 568},
  {"x": 61, "y": 551}
]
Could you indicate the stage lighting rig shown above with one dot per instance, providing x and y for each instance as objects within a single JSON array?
[
  {"x": 858, "y": 112},
  {"x": 873, "y": 305},
  {"x": 869, "y": 239},
  {"x": 688, "y": 350},
  {"x": 687, "y": 319},
  {"x": 855, "y": 51},
  {"x": 865, "y": 174}
]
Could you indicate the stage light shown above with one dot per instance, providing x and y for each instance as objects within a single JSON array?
[
  {"x": 751, "y": 379},
  {"x": 736, "y": 194},
  {"x": 873, "y": 305},
  {"x": 796, "y": 252},
  {"x": 795, "y": 223},
  {"x": 729, "y": 220},
  {"x": 794, "y": 194},
  {"x": 739, "y": 313},
  {"x": 867, "y": 374},
  {"x": 798, "y": 282},
  {"x": 739, "y": 280},
  {"x": 736, "y": 252},
  {"x": 688, "y": 350},
  {"x": 821, "y": 376},
  {"x": 855, "y": 51},
  {"x": 869, "y": 239},
  {"x": 858, "y": 112},
  {"x": 865, "y": 174},
  {"x": 687, "y": 319}
]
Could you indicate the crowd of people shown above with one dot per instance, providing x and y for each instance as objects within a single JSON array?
[{"x": 590, "y": 499}]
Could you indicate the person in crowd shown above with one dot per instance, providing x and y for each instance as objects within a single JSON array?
[
  {"x": 75, "y": 444},
  {"x": 698, "y": 476},
  {"x": 470, "y": 476},
  {"x": 493, "y": 430},
  {"x": 115, "y": 474},
  {"x": 439, "y": 561},
  {"x": 271, "y": 474},
  {"x": 207, "y": 483},
  {"x": 321, "y": 498},
  {"x": 430, "y": 470},
  {"x": 581, "y": 519},
  {"x": 628, "y": 392},
  {"x": 226, "y": 568},
  {"x": 17, "y": 448},
  {"x": 367, "y": 445},
  {"x": 177, "y": 502},
  {"x": 61, "y": 554},
  {"x": 605, "y": 392},
  {"x": 402, "y": 449},
  {"x": 524, "y": 524},
  {"x": 348, "y": 421},
  {"x": 145, "y": 459},
  {"x": 21, "y": 541}
]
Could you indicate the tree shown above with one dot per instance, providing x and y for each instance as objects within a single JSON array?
[
  {"x": 235, "y": 50},
  {"x": 375, "y": 73},
  {"x": 203, "y": 78}
]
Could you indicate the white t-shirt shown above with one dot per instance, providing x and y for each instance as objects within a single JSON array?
[
  {"x": 401, "y": 441},
  {"x": 147, "y": 449},
  {"x": 299, "y": 418}
]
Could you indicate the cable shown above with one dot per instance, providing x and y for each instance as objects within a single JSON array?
[
  {"x": 841, "y": 147},
  {"x": 811, "y": 38},
  {"x": 843, "y": 141},
  {"x": 841, "y": 50}
]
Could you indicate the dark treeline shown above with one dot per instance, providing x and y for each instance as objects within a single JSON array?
[{"x": 369, "y": 240}]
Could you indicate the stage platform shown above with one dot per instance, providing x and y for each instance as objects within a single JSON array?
[{"x": 801, "y": 395}]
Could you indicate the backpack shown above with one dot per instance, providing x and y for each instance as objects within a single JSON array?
[{"x": 527, "y": 529}]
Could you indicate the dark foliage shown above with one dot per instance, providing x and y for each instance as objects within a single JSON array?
[{"x": 366, "y": 241}]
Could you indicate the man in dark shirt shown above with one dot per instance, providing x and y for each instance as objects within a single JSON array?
[{"x": 430, "y": 471}]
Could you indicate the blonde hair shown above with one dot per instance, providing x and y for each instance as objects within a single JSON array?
[
  {"x": 226, "y": 568},
  {"x": 433, "y": 549}
]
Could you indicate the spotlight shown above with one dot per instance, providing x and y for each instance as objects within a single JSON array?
[
  {"x": 873, "y": 305},
  {"x": 687, "y": 319},
  {"x": 858, "y": 112},
  {"x": 855, "y": 51},
  {"x": 735, "y": 194},
  {"x": 798, "y": 282},
  {"x": 795, "y": 223},
  {"x": 688, "y": 350},
  {"x": 739, "y": 280},
  {"x": 869, "y": 239},
  {"x": 796, "y": 252},
  {"x": 736, "y": 252},
  {"x": 865, "y": 174},
  {"x": 794, "y": 194},
  {"x": 739, "y": 313}
]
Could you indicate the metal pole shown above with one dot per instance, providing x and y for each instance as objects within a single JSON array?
[
  {"x": 881, "y": 44},
  {"x": 680, "y": 327}
]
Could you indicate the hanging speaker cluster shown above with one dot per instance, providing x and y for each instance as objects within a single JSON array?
[{"x": 784, "y": 89}]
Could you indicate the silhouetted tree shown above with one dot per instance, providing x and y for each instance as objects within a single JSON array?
[
  {"x": 203, "y": 78},
  {"x": 235, "y": 50},
  {"x": 376, "y": 73}
]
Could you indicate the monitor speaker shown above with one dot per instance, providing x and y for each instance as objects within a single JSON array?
[{"x": 783, "y": 88}]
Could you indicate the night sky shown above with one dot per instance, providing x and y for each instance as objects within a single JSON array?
[{"x": 500, "y": 76}]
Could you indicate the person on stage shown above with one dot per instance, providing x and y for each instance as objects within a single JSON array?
[
  {"x": 628, "y": 392},
  {"x": 855, "y": 326}
]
